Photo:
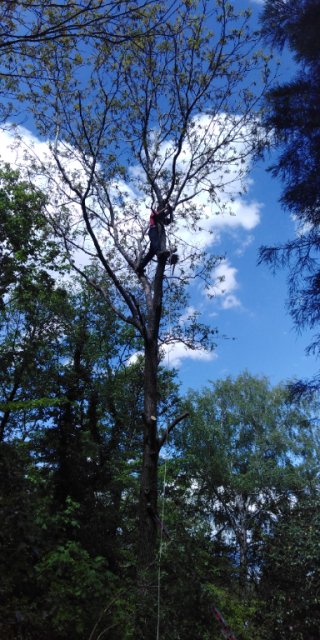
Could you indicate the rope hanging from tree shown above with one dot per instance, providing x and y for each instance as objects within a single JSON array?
[{"x": 163, "y": 529}]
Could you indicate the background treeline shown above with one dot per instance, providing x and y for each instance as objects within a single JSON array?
[{"x": 241, "y": 503}]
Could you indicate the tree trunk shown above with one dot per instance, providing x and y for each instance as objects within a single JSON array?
[{"x": 147, "y": 544}]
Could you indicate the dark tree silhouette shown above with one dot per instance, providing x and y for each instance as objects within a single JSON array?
[{"x": 293, "y": 112}]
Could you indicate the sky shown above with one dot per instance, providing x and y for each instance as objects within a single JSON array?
[
  {"x": 252, "y": 312},
  {"x": 255, "y": 332}
]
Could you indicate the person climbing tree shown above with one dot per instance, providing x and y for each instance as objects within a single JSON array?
[{"x": 162, "y": 215}]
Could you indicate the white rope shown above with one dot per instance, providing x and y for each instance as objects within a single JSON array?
[
  {"x": 163, "y": 489},
  {"x": 161, "y": 548}
]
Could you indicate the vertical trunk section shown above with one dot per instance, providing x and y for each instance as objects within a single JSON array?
[
  {"x": 146, "y": 620},
  {"x": 147, "y": 546}
]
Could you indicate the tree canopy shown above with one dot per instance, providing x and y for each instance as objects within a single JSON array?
[{"x": 31, "y": 32}]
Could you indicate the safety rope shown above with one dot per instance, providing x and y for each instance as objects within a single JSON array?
[
  {"x": 161, "y": 544},
  {"x": 224, "y": 627},
  {"x": 161, "y": 549}
]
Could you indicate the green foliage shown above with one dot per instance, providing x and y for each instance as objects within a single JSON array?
[
  {"x": 292, "y": 115},
  {"x": 73, "y": 541},
  {"x": 18, "y": 537},
  {"x": 247, "y": 451},
  {"x": 51, "y": 585},
  {"x": 69, "y": 564},
  {"x": 35, "y": 35},
  {"x": 72, "y": 427},
  {"x": 69, "y": 578},
  {"x": 291, "y": 578},
  {"x": 24, "y": 235}
]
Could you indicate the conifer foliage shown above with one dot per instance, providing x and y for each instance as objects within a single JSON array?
[{"x": 293, "y": 113}]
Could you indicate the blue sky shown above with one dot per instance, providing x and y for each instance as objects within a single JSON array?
[
  {"x": 260, "y": 333},
  {"x": 249, "y": 307}
]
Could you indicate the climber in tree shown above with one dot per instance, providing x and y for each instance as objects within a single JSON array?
[{"x": 162, "y": 215}]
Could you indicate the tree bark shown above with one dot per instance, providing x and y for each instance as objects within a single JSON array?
[
  {"x": 148, "y": 499},
  {"x": 147, "y": 544}
]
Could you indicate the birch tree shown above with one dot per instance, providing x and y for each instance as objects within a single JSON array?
[{"x": 249, "y": 453}]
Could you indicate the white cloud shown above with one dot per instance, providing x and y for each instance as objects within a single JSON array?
[
  {"x": 34, "y": 157},
  {"x": 243, "y": 214},
  {"x": 225, "y": 139},
  {"x": 230, "y": 301},
  {"x": 15, "y": 144},
  {"x": 224, "y": 278},
  {"x": 174, "y": 353},
  {"x": 240, "y": 214},
  {"x": 244, "y": 245},
  {"x": 189, "y": 313}
]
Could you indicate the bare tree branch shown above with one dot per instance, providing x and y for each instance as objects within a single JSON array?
[{"x": 163, "y": 438}]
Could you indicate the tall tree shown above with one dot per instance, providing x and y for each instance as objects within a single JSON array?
[
  {"x": 248, "y": 452},
  {"x": 29, "y": 258},
  {"x": 61, "y": 517},
  {"x": 70, "y": 403},
  {"x": 290, "y": 576},
  {"x": 293, "y": 118},
  {"x": 168, "y": 118},
  {"x": 27, "y": 246}
]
